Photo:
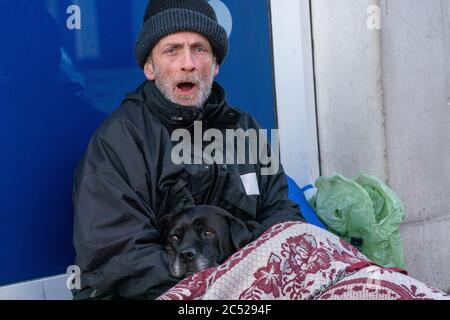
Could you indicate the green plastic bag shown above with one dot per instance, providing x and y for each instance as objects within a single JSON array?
[{"x": 364, "y": 212}]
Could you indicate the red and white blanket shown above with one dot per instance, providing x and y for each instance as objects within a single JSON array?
[{"x": 296, "y": 261}]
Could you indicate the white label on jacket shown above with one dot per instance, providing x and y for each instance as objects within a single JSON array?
[{"x": 250, "y": 183}]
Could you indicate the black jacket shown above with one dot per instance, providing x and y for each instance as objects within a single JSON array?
[{"x": 127, "y": 181}]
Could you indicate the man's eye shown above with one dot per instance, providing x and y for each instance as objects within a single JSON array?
[
  {"x": 170, "y": 51},
  {"x": 200, "y": 50}
]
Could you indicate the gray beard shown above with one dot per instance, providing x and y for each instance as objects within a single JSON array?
[{"x": 166, "y": 86}]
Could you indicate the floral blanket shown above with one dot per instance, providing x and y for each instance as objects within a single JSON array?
[{"x": 296, "y": 261}]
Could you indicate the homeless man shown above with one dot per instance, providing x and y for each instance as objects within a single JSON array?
[{"x": 127, "y": 179}]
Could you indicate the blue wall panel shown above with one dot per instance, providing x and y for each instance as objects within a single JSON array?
[{"x": 56, "y": 87}]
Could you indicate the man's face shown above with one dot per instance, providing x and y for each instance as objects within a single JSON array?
[{"x": 183, "y": 67}]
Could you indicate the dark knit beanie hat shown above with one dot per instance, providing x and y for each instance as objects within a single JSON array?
[{"x": 164, "y": 17}]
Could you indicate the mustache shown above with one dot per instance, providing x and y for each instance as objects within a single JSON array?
[{"x": 187, "y": 78}]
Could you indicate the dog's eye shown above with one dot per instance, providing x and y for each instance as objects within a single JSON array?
[
  {"x": 174, "y": 239},
  {"x": 209, "y": 234}
]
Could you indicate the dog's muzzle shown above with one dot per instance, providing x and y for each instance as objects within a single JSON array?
[{"x": 188, "y": 262}]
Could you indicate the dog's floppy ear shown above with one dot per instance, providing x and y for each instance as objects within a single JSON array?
[
  {"x": 164, "y": 223},
  {"x": 239, "y": 233}
]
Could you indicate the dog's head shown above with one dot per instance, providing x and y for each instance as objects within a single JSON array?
[{"x": 200, "y": 238}]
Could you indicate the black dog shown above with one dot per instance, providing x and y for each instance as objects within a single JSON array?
[{"x": 200, "y": 238}]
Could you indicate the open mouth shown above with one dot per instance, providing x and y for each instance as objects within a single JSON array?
[{"x": 185, "y": 87}]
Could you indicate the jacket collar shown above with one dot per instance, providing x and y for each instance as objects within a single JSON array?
[{"x": 215, "y": 114}]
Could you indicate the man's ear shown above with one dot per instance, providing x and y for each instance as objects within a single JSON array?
[
  {"x": 149, "y": 70},
  {"x": 216, "y": 70}
]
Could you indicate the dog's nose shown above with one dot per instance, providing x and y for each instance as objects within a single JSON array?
[{"x": 188, "y": 254}]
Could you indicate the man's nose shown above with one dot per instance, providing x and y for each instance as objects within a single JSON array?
[
  {"x": 188, "y": 254},
  {"x": 188, "y": 64}
]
